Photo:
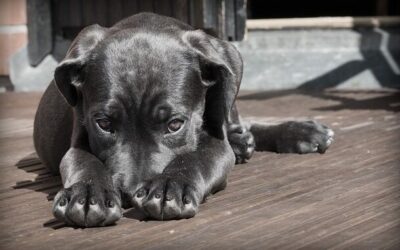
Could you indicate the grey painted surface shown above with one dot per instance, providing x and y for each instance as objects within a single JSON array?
[
  {"x": 281, "y": 59},
  {"x": 316, "y": 59},
  {"x": 25, "y": 77}
]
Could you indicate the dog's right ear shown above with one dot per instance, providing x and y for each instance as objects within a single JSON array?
[{"x": 69, "y": 74}]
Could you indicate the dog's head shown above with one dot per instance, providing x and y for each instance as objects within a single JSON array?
[{"x": 143, "y": 97}]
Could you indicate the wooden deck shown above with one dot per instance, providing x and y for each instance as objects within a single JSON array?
[{"x": 346, "y": 198}]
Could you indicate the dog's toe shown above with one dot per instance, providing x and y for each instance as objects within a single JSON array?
[
  {"x": 305, "y": 137},
  {"x": 168, "y": 198},
  {"x": 96, "y": 214},
  {"x": 60, "y": 205},
  {"x": 190, "y": 204},
  {"x": 242, "y": 143},
  {"x": 153, "y": 204},
  {"x": 326, "y": 141},
  {"x": 87, "y": 206}
]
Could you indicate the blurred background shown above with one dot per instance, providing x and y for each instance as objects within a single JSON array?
[{"x": 285, "y": 44}]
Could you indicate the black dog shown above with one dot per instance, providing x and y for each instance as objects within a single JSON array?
[{"x": 143, "y": 114}]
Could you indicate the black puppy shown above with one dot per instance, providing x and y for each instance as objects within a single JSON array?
[{"x": 143, "y": 114}]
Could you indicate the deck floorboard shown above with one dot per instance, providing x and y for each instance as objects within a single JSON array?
[{"x": 348, "y": 197}]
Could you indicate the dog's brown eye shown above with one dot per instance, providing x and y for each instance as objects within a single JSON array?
[
  {"x": 104, "y": 124},
  {"x": 175, "y": 125}
]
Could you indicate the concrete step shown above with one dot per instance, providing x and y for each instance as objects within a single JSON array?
[
  {"x": 314, "y": 53},
  {"x": 318, "y": 58}
]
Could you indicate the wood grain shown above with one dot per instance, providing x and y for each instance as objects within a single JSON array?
[{"x": 347, "y": 198}]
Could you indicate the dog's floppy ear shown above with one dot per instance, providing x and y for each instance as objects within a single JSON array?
[
  {"x": 69, "y": 74},
  {"x": 217, "y": 75}
]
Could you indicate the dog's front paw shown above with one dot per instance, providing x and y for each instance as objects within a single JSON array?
[
  {"x": 304, "y": 137},
  {"x": 165, "y": 198},
  {"x": 242, "y": 142},
  {"x": 87, "y": 205}
]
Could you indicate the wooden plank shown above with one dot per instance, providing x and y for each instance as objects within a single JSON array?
[
  {"x": 346, "y": 198},
  {"x": 230, "y": 18},
  {"x": 180, "y": 9},
  {"x": 323, "y": 22},
  {"x": 196, "y": 13},
  {"x": 100, "y": 12},
  {"x": 69, "y": 17},
  {"x": 39, "y": 30},
  {"x": 129, "y": 7},
  {"x": 382, "y": 7},
  {"x": 146, "y": 5},
  {"x": 210, "y": 14},
  {"x": 114, "y": 11},
  {"x": 74, "y": 12},
  {"x": 88, "y": 12},
  {"x": 61, "y": 15},
  {"x": 240, "y": 19},
  {"x": 163, "y": 7},
  {"x": 205, "y": 15}
]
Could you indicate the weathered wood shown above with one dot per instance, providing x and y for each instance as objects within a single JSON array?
[
  {"x": 163, "y": 7},
  {"x": 39, "y": 30},
  {"x": 100, "y": 10},
  {"x": 225, "y": 19},
  {"x": 323, "y": 22},
  {"x": 230, "y": 20},
  {"x": 221, "y": 18},
  {"x": 114, "y": 11},
  {"x": 74, "y": 12},
  {"x": 129, "y": 7},
  {"x": 146, "y": 5},
  {"x": 211, "y": 17},
  {"x": 240, "y": 19},
  {"x": 206, "y": 15},
  {"x": 88, "y": 12},
  {"x": 382, "y": 7},
  {"x": 345, "y": 198},
  {"x": 195, "y": 13},
  {"x": 180, "y": 10}
]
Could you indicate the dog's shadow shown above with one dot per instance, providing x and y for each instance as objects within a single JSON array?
[
  {"x": 44, "y": 182},
  {"x": 48, "y": 183}
]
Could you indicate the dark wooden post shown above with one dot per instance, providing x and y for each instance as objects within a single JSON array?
[
  {"x": 39, "y": 30},
  {"x": 240, "y": 19},
  {"x": 223, "y": 18}
]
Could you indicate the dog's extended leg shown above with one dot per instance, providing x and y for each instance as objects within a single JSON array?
[
  {"x": 292, "y": 137},
  {"x": 88, "y": 198},
  {"x": 186, "y": 181}
]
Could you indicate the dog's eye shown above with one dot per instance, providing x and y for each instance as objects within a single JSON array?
[
  {"x": 104, "y": 124},
  {"x": 175, "y": 125}
]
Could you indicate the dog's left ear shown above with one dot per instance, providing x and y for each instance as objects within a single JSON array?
[
  {"x": 217, "y": 75},
  {"x": 69, "y": 74}
]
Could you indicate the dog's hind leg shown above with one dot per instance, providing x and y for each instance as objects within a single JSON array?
[
  {"x": 292, "y": 137},
  {"x": 52, "y": 128},
  {"x": 240, "y": 138},
  {"x": 300, "y": 137}
]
